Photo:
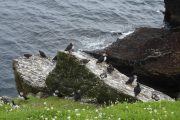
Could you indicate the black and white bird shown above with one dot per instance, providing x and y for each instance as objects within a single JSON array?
[
  {"x": 27, "y": 55},
  {"x": 84, "y": 61},
  {"x": 42, "y": 54},
  {"x": 69, "y": 48},
  {"x": 102, "y": 58},
  {"x": 110, "y": 69},
  {"x": 137, "y": 89},
  {"x": 77, "y": 95},
  {"x": 14, "y": 105},
  {"x": 155, "y": 97},
  {"x": 55, "y": 58},
  {"x": 131, "y": 79},
  {"x": 103, "y": 75},
  {"x": 23, "y": 96},
  {"x": 56, "y": 92}
]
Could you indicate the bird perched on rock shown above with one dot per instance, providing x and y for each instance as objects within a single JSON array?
[
  {"x": 22, "y": 95},
  {"x": 14, "y": 105},
  {"x": 131, "y": 79},
  {"x": 42, "y": 54},
  {"x": 77, "y": 95},
  {"x": 27, "y": 55},
  {"x": 137, "y": 89},
  {"x": 103, "y": 75},
  {"x": 110, "y": 69},
  {"x": 84, "y": 61},
  {"x": 55, "y": 58},
  {"x": 102, "y": 58},
  {"x": 155, "y": 97},
  {"x": 56, "y": 92},
  {"x": 69, "y": 48}
]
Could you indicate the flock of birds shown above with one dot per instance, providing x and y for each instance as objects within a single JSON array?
[{"x": 101, "y": 59}]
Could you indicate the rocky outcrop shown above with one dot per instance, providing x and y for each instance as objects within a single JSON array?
[
  {"x": 152, "y": 53},
  {"x": 172, "y": 13},
  {"x": 30, "y": 73},
  {"x": 68, "y": 75}
]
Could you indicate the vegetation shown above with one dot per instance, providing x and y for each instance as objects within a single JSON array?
[
  {"x": 54, "y": 108},
  {"x": 70, "y": 75}
]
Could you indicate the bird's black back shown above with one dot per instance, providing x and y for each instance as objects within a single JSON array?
[
  {"x": 55, "y": 58},
  {"x": 110, "y": 68},
  {"x": 130, "y": 80},
  {"x": 13, "y": 103},
  {"x": 137, "y": 89},
  {"x": 100, "y": 59},
  {"x": 27, "y": 55},
  {"x": 42, "y": 54},
  {"x": 77, "y": 96},
  {"x": 69, "y": 47}
]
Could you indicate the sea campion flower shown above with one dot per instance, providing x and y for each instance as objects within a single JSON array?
[
  {"x": 69, "y": 117},
  {"x": 78, "y": 114},
  {"x": 76, "y": 110}
]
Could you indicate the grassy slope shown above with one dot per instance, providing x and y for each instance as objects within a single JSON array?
[{"x": 54, "y": 108}]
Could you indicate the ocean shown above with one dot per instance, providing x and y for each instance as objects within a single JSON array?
[{"x": 27, "y": 26}]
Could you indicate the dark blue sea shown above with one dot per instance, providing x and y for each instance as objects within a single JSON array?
[{"x": 27, "y": 26}]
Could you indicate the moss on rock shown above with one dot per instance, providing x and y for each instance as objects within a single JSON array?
[{"x": 69, "y": 75}]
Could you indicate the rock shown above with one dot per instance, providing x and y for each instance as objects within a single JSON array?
[
  {"x": 152, "y": 53},
  {"x": 30, "y": 74},
  {"x": 67, "y": 74},
  {"x": 172, "y": 12},
  {"x": 70, "y": 75}
]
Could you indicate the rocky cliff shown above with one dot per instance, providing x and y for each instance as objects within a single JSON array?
[
  {"x": 172, "y": 12},
  {"x": 152, "y": 53}
]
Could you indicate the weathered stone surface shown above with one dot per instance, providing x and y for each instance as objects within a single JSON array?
[
  {"x": 30, "y": 73},
  {"x": 69, "y": 75},
  {"x": 172, "y": 13},
  {"x": 152, "y": 53},
  {"x": 38, "y": 74}
]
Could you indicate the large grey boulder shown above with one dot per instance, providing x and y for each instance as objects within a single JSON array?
[
  {"x": 67, "y": 75},
  {"x": 30, "y": 73}
]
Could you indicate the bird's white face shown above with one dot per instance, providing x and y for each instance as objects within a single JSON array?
[
  {"x": 135, "y": 77},
  {"x": 104, "y": 54},
  {"x": 21, "y": 93}
]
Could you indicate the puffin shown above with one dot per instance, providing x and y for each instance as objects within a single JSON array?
[
  {"x": 131, "y": 79},
  {"x": 69, "y": 48},
  {"x": 137, "y": 89},
  {"x": 56, "y": 93},
  {"x": 27, "y": 55},
  {"x": 42, "y": 54},
  {"x": 14, "y": 105},
  {"x": 21, "y": 94},
  {"x": 55, "y": 58},
  {"x": 77, "y": 95},
  {"x": 103, "y": 75},
  {"x": 110, "y": 69},
  {"x": 102, "y": 58},
  {"x": 155, "y": 97}
]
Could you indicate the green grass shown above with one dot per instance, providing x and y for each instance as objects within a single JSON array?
[{"x": 54, "y": 108}]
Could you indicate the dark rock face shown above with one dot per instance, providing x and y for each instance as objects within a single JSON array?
[
  {"x": 172, "y": 13},
  {"x": 153, "y": 54}
]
